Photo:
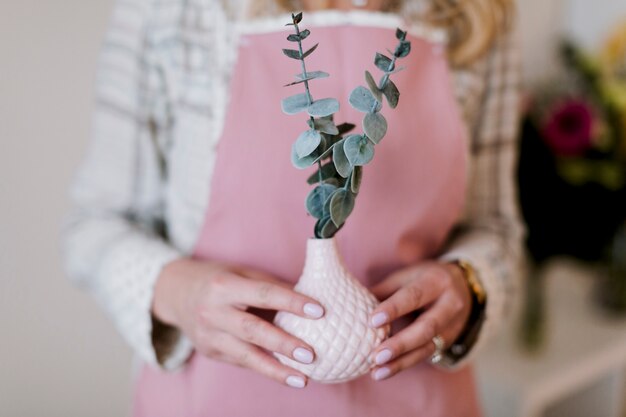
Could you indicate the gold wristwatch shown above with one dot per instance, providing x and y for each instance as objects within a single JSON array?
[
  {"x": 473, "y": 282},
  {"x": 468, "y": 336}
]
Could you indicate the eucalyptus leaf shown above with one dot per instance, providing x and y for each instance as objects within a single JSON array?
[
  {"x": 342, "y": 164},
  {"x": 345, "y": 128},
  {"x": 375, "y": 126},
  {"x": 378, "y": 94},
  {"x": 307, "y": 142},
  {"x": 358, "y": 149},
  {"x": 305, "y": 34},
  {"x": 292, "y": 53},
  {"x": 363, "y": 100},
  {"x": 302, "y": 163},
  {"x": 392, "y": 94},
  {"x": 316, "y": 200},
  {"x": 355, "y": 181},
  {"x": 325, "y": 228},
  {"x": 328, "y": 172},
  {"x": 295, "y": 104},
  {"x": 310, "y": 51},
  {"x": 297, "y": 18},
  {"x": 294, "y": 38},
  {"x": 300, "y": 78},
  {"x": 383, "y": 62},
  {"x": 311, "y": 75},
  {"x": 326, "y": 126},
  {"x": 323, "y": 107},
  {"x": 341, "y": 205},
  {"x": 400, "y": 34},
  {"x": 403, "y": 49}
]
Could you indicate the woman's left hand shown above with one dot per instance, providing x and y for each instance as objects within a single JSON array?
[{"x": 439, "y": 290}]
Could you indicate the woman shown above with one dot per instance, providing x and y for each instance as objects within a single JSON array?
[{"x": 188, "y": 224}]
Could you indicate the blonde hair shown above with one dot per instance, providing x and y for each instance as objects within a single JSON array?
[{"x": 472, "y": 25}]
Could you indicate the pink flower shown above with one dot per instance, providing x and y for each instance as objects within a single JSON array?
[{"x": 569, "y": 128}]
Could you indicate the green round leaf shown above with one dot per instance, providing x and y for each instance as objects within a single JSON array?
[
  {"x": 392, "y": 94},
  {"x": 312, "y": 75},
  {"x": 355, "y": 181},
  {"x": 292, "y": 53},
  {"x": 325, "y": 228},
  {"x": 305, "y": 34},
  {"x": 310, "y": 51},
  {"x": 359, "y": 150},
  {"x": 403, "y": 49},
  {"x": 400, "y": 34},
  {"x": 384, "y": 63},
  {"x": 326, "y": 126},
  {"x": 307, "y": 142},
  {"x": 295, "y": 104},
  {"x": 323, "y": 107},
  {"x": 340, "y": 160},
  {"x": 363, "y": 100},
  {"x": 375, "y": 126},
  {"x": 373, "y": 86},
  {"x": 328, "y": 172},
  {"x": 301, "y": 163},
  {"x": 316, "y": 200},
  {"x": 341, "y": 205}
]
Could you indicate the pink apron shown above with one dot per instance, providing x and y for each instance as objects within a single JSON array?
[{"x": 411, "y": 196}]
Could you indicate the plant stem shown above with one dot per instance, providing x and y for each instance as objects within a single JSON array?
[
  {"x": 304, "y": 73},
  {"x": 308, "y": 95},
  {"x": 384, "y": 80}
]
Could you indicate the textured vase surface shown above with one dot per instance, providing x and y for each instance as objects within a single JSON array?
[{"x": 342, "y": 339}]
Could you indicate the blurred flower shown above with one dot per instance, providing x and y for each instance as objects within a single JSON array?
[{"x": 568, "y": 130}]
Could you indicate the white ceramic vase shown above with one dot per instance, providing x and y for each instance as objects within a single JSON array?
[{"x": 342, "y": 339}]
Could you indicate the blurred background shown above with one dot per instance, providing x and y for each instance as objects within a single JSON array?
[{"x": 563, "y": 352}]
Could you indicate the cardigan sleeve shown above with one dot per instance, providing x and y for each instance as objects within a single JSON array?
[
  {"x": 490, "y": 236},
  {"x": 114, "y": 237}
]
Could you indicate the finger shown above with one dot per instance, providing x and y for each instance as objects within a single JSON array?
[
  {"x": 391, "y": 284},
  {"x": 403, "y": 362},
  {"x": 270, "y": 296},
  {"x": 245, "y": 355},
  {"x": 411, "y": 358},
  {"x": 259, "y": 275},
  {"x": 420, "y": 333},
  {"x": 417, "y": 294},
  {"x": 256, "y": 331}
]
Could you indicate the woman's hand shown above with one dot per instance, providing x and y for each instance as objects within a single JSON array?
[
  {"x": 440, "y": 292},
  {"x": 209, "y": 302}
]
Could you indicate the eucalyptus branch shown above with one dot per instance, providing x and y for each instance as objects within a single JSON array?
[{"x": 339, "y": 159}]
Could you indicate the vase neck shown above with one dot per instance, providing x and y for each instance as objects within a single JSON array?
[{"x": 322, "y": 255}]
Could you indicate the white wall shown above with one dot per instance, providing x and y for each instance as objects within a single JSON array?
[{"x": 58, "y": 355}]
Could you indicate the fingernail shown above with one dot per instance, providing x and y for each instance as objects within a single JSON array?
[
  {"x": 295, "y": 381},
  {"x": 303, "y": 355},
  {"x": 313, "y": 310},
  {"x": 381, "y": 373},
  {"x": 383, "y": 356},
  {"x": 379, "y": 319}
]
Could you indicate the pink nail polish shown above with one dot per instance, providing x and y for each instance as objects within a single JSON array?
[
  {"x": 379, "y": 319},
  {"x": 313, "y": 310},
  {"x": 381, "y": 373},
  {"x": 295, "y": 381},
  {"x": 383, "y": 356},
  {"x": 303, "y": 355}
]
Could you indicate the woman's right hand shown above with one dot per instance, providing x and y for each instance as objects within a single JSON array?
[{"x": 209, "y": 302}]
